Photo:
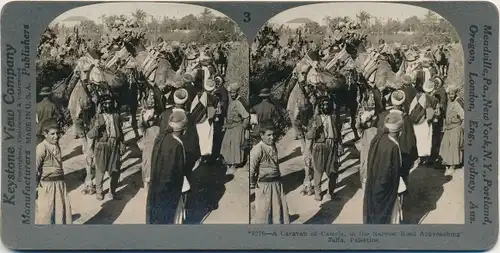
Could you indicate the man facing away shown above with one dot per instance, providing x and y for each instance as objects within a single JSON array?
[
  {"x": 46, "y": 110},
  {"x": 168, "y": 169},
  {"x": 384, "y": 184}
]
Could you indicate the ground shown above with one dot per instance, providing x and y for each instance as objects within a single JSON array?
[
  {"x": 130, "y": 209},
  {"x": 433, "y": 198}
]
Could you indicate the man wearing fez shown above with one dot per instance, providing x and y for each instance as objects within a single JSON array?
[
  {"x": 168, "y": 169},
  {"x": 46, "y": 110}
]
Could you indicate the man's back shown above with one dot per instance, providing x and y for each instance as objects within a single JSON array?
[
  {"x": 45, "y": 110},
  {"x": 265, "y": 111}
]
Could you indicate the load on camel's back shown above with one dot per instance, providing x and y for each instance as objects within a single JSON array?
[{"x": 377, "y": 71}]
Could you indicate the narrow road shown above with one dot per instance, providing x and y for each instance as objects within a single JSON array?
[
  {"x": 232, "y": 198},
  {"x": 433, "y": 198}
]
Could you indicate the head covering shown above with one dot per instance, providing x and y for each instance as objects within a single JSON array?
[
  {"x": 187, "y": 78},
  {"x": 451, "y": 89},
  {"x": 209, "y": 85},
  {"x": 50, "y": 124},
  {"x": 428, "y": 86},
  {"x": 219, "y": 79},
  {"x": 265, "y": 92},
  {"x": 178, "y": 120},
  {"x": 437, "y": 81},
  {"x": 45, "y": 91},
  {"x": 180, "y": 96},
  {"x": 234, "y": 87},
  {"x": 394, "y": 122},
  {"x": 398, "y": 97}
]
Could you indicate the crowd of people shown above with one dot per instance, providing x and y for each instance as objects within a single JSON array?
[
  {"x": 417, "y": 119},
  {"x": 189, "y": 123}
]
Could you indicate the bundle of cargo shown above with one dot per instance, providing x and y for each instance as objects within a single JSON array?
[{"x": 369, "y": 67}]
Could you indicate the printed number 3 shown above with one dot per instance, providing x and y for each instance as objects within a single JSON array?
[{"x": 247, "y": 17}]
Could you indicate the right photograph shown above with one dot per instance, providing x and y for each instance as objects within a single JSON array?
[{"x": 357, "y": 117}]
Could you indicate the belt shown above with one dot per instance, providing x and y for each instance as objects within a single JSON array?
[
  {"x": 270, "y": 179},
  {"x": 54, "y": 178}
]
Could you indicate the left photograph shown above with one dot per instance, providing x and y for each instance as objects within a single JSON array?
[{"x": 142, "y": 116}]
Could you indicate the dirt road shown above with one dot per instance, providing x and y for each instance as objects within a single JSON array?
[
  {"x": 433, "y": 198},
  {"x": 230, "y": 198}
]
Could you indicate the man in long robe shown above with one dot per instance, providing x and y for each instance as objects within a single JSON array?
[
  {"x": 407, "y": 140},
  {"x": 203, "y": 113},
  {"x": 168, "y": 169},
  {"x": 222, "y": 103},
  {"x": 438, "y": 122},
  {"x": 381, "y": 203}
]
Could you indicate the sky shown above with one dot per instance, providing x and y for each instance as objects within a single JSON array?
[
  {"x": 158, "y": 10},
  {"x": 317, "y": 12}
]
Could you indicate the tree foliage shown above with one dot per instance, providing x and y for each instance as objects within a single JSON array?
[{"x": 205, "y": 27}]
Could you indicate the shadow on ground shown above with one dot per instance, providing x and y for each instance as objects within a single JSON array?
[
  {"x": 295, "y": 153},
  {"x": 332, "y": 208},
  {"x": 111, "y": 209},
  {"x": 207, "y": 188},
  {"x": 424, "y": 191},
  {"x": 76, "y": 152}
]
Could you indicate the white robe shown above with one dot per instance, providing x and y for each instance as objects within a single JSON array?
[
  {"x": 205, "y": 129},
  {"x": 423, "y": 131}
]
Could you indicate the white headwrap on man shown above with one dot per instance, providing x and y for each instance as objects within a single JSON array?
[
  {"x": 394, "y": 122},
  {"x": 178, "y": 120}
]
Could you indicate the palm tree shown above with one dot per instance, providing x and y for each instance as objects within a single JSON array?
[
  {"x": 140, "y": 16},
  {"x": 363, "y": 17}
]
